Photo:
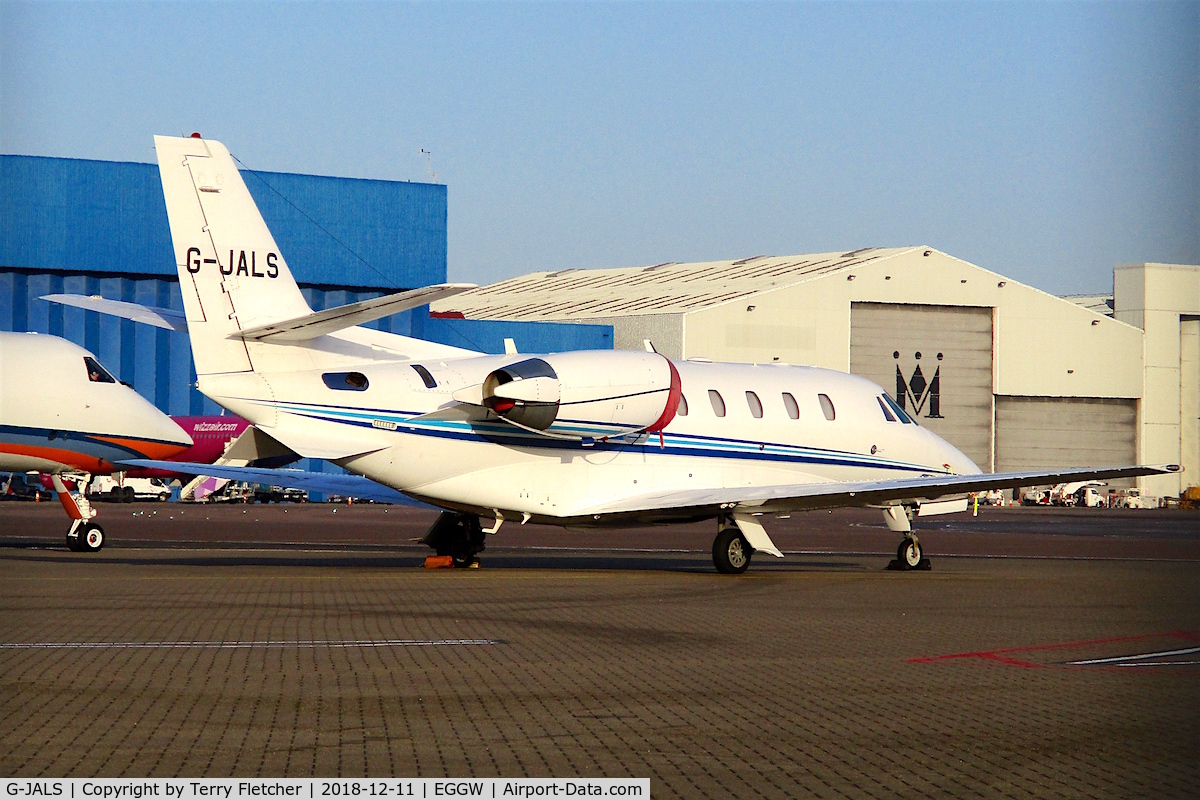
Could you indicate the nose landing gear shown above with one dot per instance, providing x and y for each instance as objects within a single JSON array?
[
  {"x": 84, "y": 536},
  {"x": 908, "y": 554}
]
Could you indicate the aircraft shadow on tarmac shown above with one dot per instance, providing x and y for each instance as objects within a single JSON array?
[{"x": 509, "y": 559}]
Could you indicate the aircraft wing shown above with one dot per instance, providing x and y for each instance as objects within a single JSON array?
[
  {"x": 151, "y": 315},
  {"x": 344, "y": 485},
  {"x": 804, "y": 496},
  {"x": 319, "y": 323}
]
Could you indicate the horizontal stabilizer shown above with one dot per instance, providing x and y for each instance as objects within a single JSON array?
[
  {"x": 150, "y": 315},
  {"x": 254, "y": 444},
  {"x": 319, "y": 323},
  {"x": 342, "y": 485},
  {"x": 803, "y": 496},
  {"x": 312, "y": 442}
]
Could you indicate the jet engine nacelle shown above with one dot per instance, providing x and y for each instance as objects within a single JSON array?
[{"x": 586, "y": 394}]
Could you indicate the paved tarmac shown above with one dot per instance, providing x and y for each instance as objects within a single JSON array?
[{"x": 306, "y": 641}]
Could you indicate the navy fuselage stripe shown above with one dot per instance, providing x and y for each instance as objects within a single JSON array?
[{"x": 505, "y": 437}]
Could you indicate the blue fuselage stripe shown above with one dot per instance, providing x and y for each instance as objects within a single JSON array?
[{"x": 678, "y": 444}]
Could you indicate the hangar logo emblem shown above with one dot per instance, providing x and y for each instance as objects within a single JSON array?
[{"x": 916, "y": 391}]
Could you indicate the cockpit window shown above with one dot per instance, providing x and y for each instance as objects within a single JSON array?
[
  {"x": 898, "y": 411},
  {"x": 683, "y": 409},
  {"x": 827, "y": 407},
  {"x": 346, "y": 381},
  {"x": 97, "y": 373},
  {"x": 425, "y": 376},
  {"x": 887, "y": 413}
]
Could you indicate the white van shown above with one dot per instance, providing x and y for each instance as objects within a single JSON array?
[{"x": 117, "y": 488}]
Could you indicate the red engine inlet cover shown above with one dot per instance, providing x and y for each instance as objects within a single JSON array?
[{"x": 672, "y": 402}]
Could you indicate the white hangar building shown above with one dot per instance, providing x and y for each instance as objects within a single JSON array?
[{"x": 1013, "y": 376}]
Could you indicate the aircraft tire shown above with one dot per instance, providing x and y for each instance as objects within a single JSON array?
[
  {"x": 91, "y": 538},
  {"x": 908, "y": 554},
  {"x": 73, "y": 543},
  {"x": 459, "y": 536},
  {"x": 731, "y": 552}
]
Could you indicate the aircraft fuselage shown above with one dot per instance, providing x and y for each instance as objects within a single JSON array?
[{"x": 775, "y": 430}]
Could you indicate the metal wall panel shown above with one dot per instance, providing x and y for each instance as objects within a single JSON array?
[
  {"x": 72, "y": 215},
  {"x": 1051, "y": 432},
  {"x": 936, "y": 361},
  {"x": 1189, "y": 400},
  {"x": 487, "y": 336},
  {"x": 665, "y": 331}
]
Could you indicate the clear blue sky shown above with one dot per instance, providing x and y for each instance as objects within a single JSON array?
[{"x": 1046, "y": 141}]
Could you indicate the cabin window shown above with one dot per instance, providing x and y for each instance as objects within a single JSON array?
[
  {"x": 789, "y": 403},
  {"x": 755, "y": 405},
  {"x": 827, "y": 407},
  {"x": 97, "y": 373},
  {"x": 425, "y": 376},
  {"x": 718, "y": 403},
  {"x": 346, "y": 381},
  {"x": 887, "y": 414},
  {"x": 898, "y": 411},
  {"x": 682, "y": 410}
]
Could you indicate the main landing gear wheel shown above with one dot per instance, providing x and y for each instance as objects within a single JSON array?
[
  {"x": 459, "y": 536},
  {"x": 731, "y": 552}
]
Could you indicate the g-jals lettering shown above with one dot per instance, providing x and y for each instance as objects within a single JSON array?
[{"x": 240, "y": 262}]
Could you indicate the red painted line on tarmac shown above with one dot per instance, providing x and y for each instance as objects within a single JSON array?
[
  {"x": 998, "y": 655},
  {"x": 1012, "y": 662}
]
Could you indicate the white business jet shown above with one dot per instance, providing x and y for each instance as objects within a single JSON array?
[
  {"x": 578, "y": 439},
  {"x": 61, "y": 411}
]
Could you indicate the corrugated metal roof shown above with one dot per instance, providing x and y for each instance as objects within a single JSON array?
[
  {"x": 1100, "y": 303},
  {"x": 669, "y": 288}
]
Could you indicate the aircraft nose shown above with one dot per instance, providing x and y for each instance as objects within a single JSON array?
[
  {"x": 950, "y": 457},
  {"x": 169, "y": 438},
  {"x": 959, "y": 463},
  {"x": 180, "y": 436}
]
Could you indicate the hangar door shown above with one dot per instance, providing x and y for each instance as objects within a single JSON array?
[
  {"x": 936, "y": 362},
  {"x": 1051, "y": 432}
]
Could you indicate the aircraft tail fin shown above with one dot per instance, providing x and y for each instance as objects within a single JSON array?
[{"x": 231, "y": 272}]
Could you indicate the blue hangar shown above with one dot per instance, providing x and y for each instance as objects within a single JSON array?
[{"x": 100, "y": 228}]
